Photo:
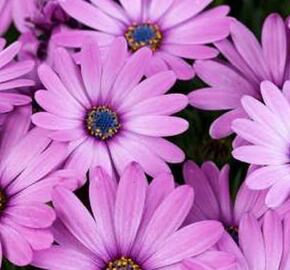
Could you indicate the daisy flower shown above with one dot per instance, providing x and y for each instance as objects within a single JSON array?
[
  {"x": 27, "y": 176},
  {"x": 11, "y": 73},
  {"x": 240, "y": 219},
  {"x": 173, "y": 30},
  {"x": 134, "y": 225},
  {"x": 107, "y": 114},
  {"x": 248, "y": 64},
  {"x": 268, "y": 140},
  {"x": 213, "y": 199},
  {"x": 38, "y": 21},
  {"x": 261, "y": 247}
]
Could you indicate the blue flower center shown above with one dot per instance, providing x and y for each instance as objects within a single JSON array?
[
  {"x": 102, "y": 122},
  {"x": 123, "y": 263},
  {"x": 145, "y": 34}
]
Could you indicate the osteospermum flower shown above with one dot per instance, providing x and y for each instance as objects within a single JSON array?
[
  {"x": 213, "y": 199},
  {"x": 249, "y": 63},
  {"x": 109, "y": 117},
  {"x": 38, "y": 21},
  {"x": 261, "y": 247},
  {"x": 173, "y": 30},
  {"x": 269, "y": 139},
  {"x": 11, "y": 73},
  {"x": 27, "y": 176},
  {"x": 134, "y": 225}
]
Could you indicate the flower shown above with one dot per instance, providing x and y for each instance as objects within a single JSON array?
[
  {"x": 135, "y": 225},
  {"x": 213, "y": 202},
  {"x": 213, "y": 199},
  {"x": 27, "y": 176},
  {"x": 261, "y": 247},
  {"x": 268, "y": 141},
  {"x": 249, "y": 63},
  {"x": 38, "y": 21},
  {"x": 106, "y": 114},
  {"x": 174, "y": 30},
  {"x": 11, "y": 73}
]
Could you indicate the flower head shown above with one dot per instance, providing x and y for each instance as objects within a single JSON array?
[
  {"x": 213, "y": 198},
  {"x": 249, "y": 63},
  {"x": 173, "y": 30},
  {"x": 27, "y": 176},
  {"x": 134, "y": 225},
  {"x": 268, "y": 141},
  {"x": 109, "y": 116},
  {"x": 263, "y": 246},
  {"x": 11, "y": 77}
]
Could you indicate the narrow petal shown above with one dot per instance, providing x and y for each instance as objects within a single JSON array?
[
  {"x": 274, "y": 42},
  {"x": 129, "y": 206},
  {"x": 102, "y": 194},
  {"x": 251, "y": 241},
  {"x": 134, "y": 9},
  {"x": 260, "y": 155},
  {"x": 60, "y": 258},
  {"x": 278, "y": 193},
  {"x": 91, "y": 70},
  {"x": 157, "y": 126},
  {"x": 14, "y": 247},
  {"x": 273, "y": 237},
  {"x": 91, "y": 16}
]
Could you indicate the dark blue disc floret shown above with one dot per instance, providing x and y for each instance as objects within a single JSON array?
[
  {"x": 145, "y": 34},
  {"x": 102, "y": 122}
]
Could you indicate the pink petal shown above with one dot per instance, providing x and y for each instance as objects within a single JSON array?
[
  {"x": 157, "y": 126},
  {"x": 130, "y": 201},
  {"x": 274, "y": 42},
  {"x": 91, "y": 16}
]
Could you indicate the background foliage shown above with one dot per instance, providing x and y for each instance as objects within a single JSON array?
[{"x": 196, "y": 142}]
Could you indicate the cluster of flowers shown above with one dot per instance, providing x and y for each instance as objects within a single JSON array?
[{"x": 105, "y": 68}]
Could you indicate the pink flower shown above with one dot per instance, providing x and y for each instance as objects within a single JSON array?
[
  {"x": 11, "y": 74},
  {"x": 134, "y": 224},
  {"x": 27, "y": 170},
  {"x": 249, "y": 63},
  {"x": 261, "y": 247},
  {"x": 213, "y": 198},
  {"x": 106, "y": 114},
  {"x": 268, "y": 141},
  {"x": 174, "y": 30}
]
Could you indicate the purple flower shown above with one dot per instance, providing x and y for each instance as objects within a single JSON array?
[
  {"x": 267, "y": 131},
  {"x": 174, "y": 30},
  {"x": 109, "y": 117},
  {"x": 11, "y": 74},
  {"x": 213, "y": 202},
  {"x": 213, "y": 199},
  {"x": 135, "y": 225},
  {"x": 27, "y": 170},
  {"x": 38, "y": 21},
  {"x": 249, "y": 64},
  {"x": 261, "y": 247}
]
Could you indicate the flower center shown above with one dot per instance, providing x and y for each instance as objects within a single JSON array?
[
  {"x": 234, "y": 232},
  {"x": 102, "y": 122},
  {"x": 3, "y": 200},
  {"x": 123, "y": 263},
  {"x": 141, "y": 35}
]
